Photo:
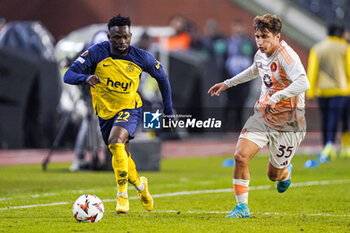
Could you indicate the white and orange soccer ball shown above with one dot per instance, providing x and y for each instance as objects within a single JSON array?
[{"x": 88, "y": 208}]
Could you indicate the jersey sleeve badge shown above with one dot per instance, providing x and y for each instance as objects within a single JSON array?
[
  {"x": 84, "y": 54},
  {"x": 158, "y": 65}
]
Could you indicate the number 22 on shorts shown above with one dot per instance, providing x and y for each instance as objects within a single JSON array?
[{"x": 122, "y": 116}]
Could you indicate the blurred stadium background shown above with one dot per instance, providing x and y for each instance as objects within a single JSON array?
[{"x": 38, "y": 39}]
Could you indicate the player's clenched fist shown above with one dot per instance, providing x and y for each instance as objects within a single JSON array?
[
  {"x": 270, "y": 107},
  {"x": 217, "y": 89},
  {"x": 92, "y": 80}
]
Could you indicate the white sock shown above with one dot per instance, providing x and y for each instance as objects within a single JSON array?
[
  {"x": 242, "y": 198},
  {"x": 141, "y": 187},
  {"x": 122, "y": 194}
]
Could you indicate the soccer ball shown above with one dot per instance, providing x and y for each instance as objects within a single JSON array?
[{"x": 88, "y": 208}]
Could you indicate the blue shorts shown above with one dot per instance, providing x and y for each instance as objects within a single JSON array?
[{"x": 127, "y": 118}]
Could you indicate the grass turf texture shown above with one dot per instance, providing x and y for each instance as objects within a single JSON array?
[{"x": 314, "y": 208}]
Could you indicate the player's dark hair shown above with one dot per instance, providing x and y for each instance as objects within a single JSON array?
[
  {"x": 272, "y": 23},
  {"x": 336, "y": 30},
  {"x": 119, "y": 21}
]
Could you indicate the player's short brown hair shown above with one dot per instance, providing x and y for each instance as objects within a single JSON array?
[{"x": 272, "y": 23}]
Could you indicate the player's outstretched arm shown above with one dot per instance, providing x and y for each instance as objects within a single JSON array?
[
  {"x": 78, "y": 72},
  {"x": 217, "y": 89}
]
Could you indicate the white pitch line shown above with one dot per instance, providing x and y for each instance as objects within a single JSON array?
[
  {"x": 47, "y": 194},
  {"x": 261, "y": 187},
  {"x": 34, "y": 205},
  {"x": 255, "y": 213},
  {"x": 172, "y": 194}
]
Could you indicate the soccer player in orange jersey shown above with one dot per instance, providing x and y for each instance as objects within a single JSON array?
[{"x": 278, "y": 120}]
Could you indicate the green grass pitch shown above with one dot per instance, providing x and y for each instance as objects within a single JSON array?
[{"x": 190, "y": 194}]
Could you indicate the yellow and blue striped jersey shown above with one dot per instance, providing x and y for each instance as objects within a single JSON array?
[{"x": 120, "y": 77}]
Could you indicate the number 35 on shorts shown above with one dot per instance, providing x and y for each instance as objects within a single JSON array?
[
  {"x": 284, "y": 155},
  {"x": 122, "y": 116},
  {"x": 285, "y": 151}
]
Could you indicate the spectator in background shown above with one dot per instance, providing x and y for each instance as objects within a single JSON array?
[
  {"x": 88, "y": 137},
  {"x": 214, "y": 43},
  {"x": 145, "y": 41},
  {"x": 99, "y": 37},
  {"x": 345, "y": 140},
  {"x": 181, "y": 40},
  {"x": 329, "y": 74},
  {"x": 240, "y": 55},
  {"x": 2, "y": 23},
  {"x": 148, "y": 87}
]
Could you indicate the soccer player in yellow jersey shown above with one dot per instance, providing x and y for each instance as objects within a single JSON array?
[
  {"x": 112, "y": 69},
  {"x": 329, "y": 75},
  {"x": 278, "y": 119}
]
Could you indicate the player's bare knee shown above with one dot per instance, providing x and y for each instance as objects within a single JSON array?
[
  {"x": 117, "y": 140},
  {"x": 241, "y": 159}
]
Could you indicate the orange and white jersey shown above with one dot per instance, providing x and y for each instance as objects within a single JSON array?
[{"x": 284, "y": 82}]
